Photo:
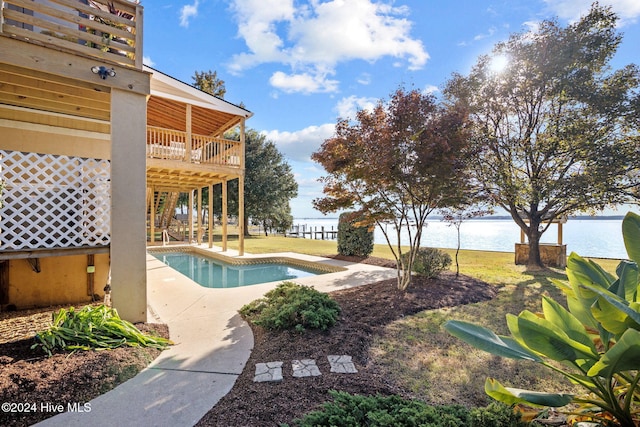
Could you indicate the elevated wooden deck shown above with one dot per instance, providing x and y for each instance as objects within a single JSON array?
[
  {"x": 108, "y": 30},
  {"x": 180, "y": 161}
]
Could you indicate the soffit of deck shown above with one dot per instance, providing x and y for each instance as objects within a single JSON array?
[
  {"x": 28, "y": 90},
  {"x": 169, "y": 178}
]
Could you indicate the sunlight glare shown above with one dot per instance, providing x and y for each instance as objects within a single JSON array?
[{"x": 498, "y": 63}]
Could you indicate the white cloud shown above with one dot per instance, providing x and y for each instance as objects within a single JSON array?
[
  {"x": 491, "y": 31},
  {"x": 305, "y": 83},
  {"x": 430, "y": 89},
  {"x": 627, "y": 10},
  {"x": 532, "y": 26},
  {"x": 187, "y": 12},
  {"x": 313, "y": 38},
  {"x": 146, "y": 60},
  {"x": 348, "y": 107},
  {"x": 364, "y": 79},
  {"x": 300, "y": 144}
]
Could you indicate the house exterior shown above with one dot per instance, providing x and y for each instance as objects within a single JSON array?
[{"x": 88, "y": 135}]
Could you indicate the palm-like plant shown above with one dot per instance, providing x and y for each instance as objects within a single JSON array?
[{"x": 597, "y": 338}]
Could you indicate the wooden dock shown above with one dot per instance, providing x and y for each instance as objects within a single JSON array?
[{"x": 317, "y": 233}]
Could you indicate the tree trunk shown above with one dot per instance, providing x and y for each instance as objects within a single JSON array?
[
  {"x": 534, "y": 262},
  {"x": 458, "y": 249},
  {"x": 264, "y": 225},
  {"x": 246, "y": 226}
]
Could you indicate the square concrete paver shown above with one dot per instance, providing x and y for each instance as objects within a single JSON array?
[
  {"x": 270, "y": 371},
  {"x": 342, "y": 364},
  {"x": 305, "y": 368}
]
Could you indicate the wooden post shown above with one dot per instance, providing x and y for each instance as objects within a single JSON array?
[
  {"x": 138, "y": 39},
  {"x": 224, "y": 215},
  {"x": 559, "y": 233},
  {"x": 241, "y": 215},
  {"x": 211, "y": 216},
  {"x": 152, "y": 219},
  {"x": 199, "y": 219},
  {"x": 241, "y": 190},
  {"x": 187, "y": 143},
  {"x": 128, "y": 204},
  {"x": 190, "y": 217}
]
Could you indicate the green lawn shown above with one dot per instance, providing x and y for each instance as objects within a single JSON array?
[{"x": 430, "y": 363}]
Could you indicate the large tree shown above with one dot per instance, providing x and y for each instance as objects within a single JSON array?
[
  {"x": 555, "y": 128},
  {"x": 269, "y": 183},
  {"x": 396, "y": 164},
  {"x": 208, "y": 81}
]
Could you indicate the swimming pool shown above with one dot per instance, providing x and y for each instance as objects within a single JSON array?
[{"x": 216, "y": 273}]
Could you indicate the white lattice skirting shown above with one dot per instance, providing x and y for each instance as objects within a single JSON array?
[{"x": 52, "y": 201}]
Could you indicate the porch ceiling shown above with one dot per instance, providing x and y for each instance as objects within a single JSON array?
[{"x": 171, "y": 114}]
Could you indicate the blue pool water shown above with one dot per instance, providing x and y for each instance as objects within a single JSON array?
[{"x": 213, "y": 273}]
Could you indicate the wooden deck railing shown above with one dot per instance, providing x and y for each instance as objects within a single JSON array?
[
  {"x": 110, "y": 30},
  {"x": 172, "y": 145}
]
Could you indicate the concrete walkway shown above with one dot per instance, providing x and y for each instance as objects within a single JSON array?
[{"x": 212, "y": 346}]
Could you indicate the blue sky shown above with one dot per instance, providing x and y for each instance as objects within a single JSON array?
[{"x": 299, "y": 65}]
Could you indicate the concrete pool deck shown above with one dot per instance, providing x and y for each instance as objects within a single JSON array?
[{"x": 212, "y": 345}]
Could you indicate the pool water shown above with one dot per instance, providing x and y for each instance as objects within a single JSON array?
[{"x": 213, "y": 273}]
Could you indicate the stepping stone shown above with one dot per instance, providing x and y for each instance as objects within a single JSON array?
[
  {"x": 342, "y": 364},
  {"x": 305, "y": 368},
  {"x": 270, "y": 371}
]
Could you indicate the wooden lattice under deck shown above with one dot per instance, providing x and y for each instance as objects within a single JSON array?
[{"x": 53, "y": 201}]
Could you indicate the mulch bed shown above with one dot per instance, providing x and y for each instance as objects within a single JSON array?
[
  {"x": 29, "y": 377},
  {"x": 365, "y": 312}
]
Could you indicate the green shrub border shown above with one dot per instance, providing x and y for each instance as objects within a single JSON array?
[{"x": 292, "y": 306}]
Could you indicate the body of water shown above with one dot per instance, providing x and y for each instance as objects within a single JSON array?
[{"x": 590, "y": 237}]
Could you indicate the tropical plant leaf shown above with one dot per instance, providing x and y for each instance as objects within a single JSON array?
[
  {"x": 543, "y": 337},
  {"x": 610, "y": 317},
  {"x": 620, "y": 304},
  {"x": 631, "y": 235},
  {"x": 623, "y": 356},
  {"x": 567, "y": 322},
  {"x": 512, "y": 396},
  {"x": 581, "y": 270},
  {"x": 628, "y": 282},
  {"x": 484, "y": 339}
]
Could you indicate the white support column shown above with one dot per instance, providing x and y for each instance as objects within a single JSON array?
[{"x": 128, "y": 205}]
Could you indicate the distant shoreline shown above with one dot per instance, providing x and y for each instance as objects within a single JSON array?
[{"x": 491, "y": 218}]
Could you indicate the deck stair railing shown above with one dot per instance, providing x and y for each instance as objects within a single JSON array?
[
  {"x": 110, "y": 30},
  {"x": 164, "y": 206}
]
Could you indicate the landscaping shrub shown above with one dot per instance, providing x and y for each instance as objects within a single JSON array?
[
  {"x": 596, "y": 338},
  {"x": 496, "y": 414},
  {"x": 292, "y": 306},
  {"x": 429, "y": 262},
  {"x": 352, "y": 240},
  {"x": 348, "y": 410},
  {"x": 93, "y": 328}
]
